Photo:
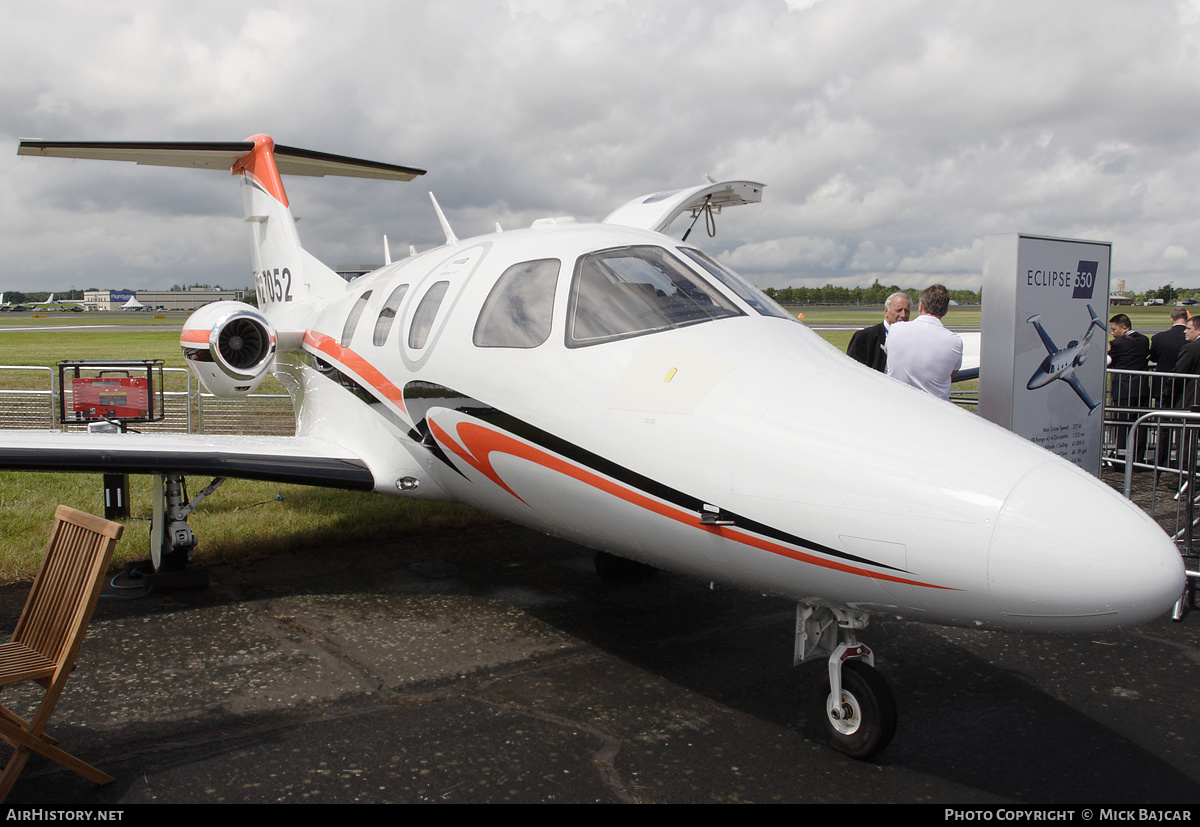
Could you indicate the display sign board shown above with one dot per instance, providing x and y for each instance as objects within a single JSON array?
[{"x": 1045, "y": 333}]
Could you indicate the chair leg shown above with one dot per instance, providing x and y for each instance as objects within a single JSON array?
[
  {"x": 21, "y": 723},
  {"x": 25, "y": 743},
  {"x": 12, "y": 770}
]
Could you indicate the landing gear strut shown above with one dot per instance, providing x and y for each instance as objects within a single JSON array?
[
  {"x": 171, "y": 538},
  {"x": 853, "y": 707}
]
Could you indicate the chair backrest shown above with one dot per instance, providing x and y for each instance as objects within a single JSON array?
[{"x": 68, "y": 584}]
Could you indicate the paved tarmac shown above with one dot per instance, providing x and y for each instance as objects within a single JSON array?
[{"x": 494, "y": 666}]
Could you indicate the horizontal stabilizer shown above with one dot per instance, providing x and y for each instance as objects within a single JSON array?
[{"x": 223, "y": 155}]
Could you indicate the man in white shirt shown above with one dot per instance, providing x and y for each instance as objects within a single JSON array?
[{"x": 923, "y": 353}]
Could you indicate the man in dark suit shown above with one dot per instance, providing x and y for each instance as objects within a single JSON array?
[
  {"x": 1128, "y": 350},
  {"x": 866, "y": 345},
  {"x": 1164, "y": 352},
  {"x": 1165, "y": 346},
  {"x": 1189, "y": 363}
]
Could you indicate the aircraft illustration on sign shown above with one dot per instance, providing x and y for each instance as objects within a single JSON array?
[
  {"x": 1061, "y": 364},
  {"x": 611, "y": 385}
]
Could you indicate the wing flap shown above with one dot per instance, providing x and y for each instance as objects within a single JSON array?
[{"x": 298, "y": 460}]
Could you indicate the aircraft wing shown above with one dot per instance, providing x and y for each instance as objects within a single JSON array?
[
  {"x": 970, "y": 360},
  {"x": 1077, "y": 386},
  {"x": 657, "y": 211},
  {"x": 1046, "y": 340},
  {"x": 300, "y": 460}
]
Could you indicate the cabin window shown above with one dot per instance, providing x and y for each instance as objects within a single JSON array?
[
  {"x": 743, "y": 289},
  {"x": 517, "y": 312},
  {"x": 387, "y": 315},
  {"x": 422, "y": 321},
  {"x": 632, "y": 291},
  {"x": 352, "y": 320}
]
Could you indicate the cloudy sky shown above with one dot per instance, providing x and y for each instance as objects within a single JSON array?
[{"x": 892, "y": 136}]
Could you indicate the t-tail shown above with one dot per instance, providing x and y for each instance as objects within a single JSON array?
[
  {"x": 284, "y": 272},
  {"x": 230, "y": 345}
]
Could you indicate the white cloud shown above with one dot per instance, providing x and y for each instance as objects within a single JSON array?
[{"x": 891, "y": 136}]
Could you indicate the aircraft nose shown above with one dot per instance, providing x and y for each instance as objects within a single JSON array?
[{"x": 1070, "y": 553}]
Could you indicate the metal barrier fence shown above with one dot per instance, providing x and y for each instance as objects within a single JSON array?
[
  {"x": 29, "y": 399},
  {"x": 258, "y": 413},
  {"x": 1163, "y": 479},
  {"x": 1130, "y": 395}
]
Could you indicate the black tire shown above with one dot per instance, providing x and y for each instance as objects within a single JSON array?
[
  {"x": 169, "y": 558},
  {"x": 870, "y": 711},
  {"x": 613, "y": 569}
]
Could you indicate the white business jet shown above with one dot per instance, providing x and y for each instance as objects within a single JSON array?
[
  {"x": 1060, "y": 363},
  {"x": 616, "y": 387}
]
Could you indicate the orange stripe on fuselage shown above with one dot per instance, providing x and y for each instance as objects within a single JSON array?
[
  {"x": 479, "y": 442},
  {"x": 351, "y": 360}
]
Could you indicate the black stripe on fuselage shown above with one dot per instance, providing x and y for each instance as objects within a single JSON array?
[{"x": 448, "y": 398}]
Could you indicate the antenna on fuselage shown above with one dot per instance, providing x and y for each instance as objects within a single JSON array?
[
  {"x": 412, "y": 249},
  {"x": 450, "y": 237},
  {"x": 387, "y": 253}
]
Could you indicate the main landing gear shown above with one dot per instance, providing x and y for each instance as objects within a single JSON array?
[
  {"x": 171, "y": 538},
  {"x": 853, "y": 707}
]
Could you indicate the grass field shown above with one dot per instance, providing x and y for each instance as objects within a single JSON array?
[{"x": 240, "y": 520}]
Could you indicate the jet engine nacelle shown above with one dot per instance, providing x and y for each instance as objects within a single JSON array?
[
  {"x": 1081, "y": 356},
  {"x": 230, "y": 346}
]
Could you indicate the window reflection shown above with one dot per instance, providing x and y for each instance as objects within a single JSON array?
[
  {"x": 631, "y": 291},
  {"x": 422, "y": 322},
  {"x": 518, "y": 311}
]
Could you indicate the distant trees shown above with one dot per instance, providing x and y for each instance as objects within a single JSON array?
[{"x": 876, "y": 294}]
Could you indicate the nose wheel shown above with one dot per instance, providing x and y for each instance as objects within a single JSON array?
[
  {"x": 852, "y": 706},
  {"x": 863, "y": 720}
]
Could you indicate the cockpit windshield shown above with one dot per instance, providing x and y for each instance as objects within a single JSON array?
[
  {"x": 631, "y": 291},
  {"x": 745, "y": 291}
]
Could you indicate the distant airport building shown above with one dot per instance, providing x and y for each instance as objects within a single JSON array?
[
  {"x": 352, "y": 271},
  {"x": 190, "y": 299}
]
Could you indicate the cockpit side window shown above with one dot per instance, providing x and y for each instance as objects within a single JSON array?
[
  {"x": 518, "y": 311},
  {"x": 387, "y": 315},
  {"x": 743, "y": 289},
  {"x": 352, "y": 319},
  {"x": 632, "y": 291},
  {"x": 422, "y": 320}
]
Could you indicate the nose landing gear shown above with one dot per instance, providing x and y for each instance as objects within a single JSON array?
[{"x": 853, "y": 707}]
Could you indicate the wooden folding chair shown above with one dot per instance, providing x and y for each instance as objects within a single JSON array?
[{"x": 50, "y": 631}]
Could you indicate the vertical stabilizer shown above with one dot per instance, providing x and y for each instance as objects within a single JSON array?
[{"x": 283, "y": 272}]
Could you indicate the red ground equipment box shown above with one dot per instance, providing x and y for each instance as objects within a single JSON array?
[
  {"x": 110, "y": 391},
  {"x": 105, "y": 398}
]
